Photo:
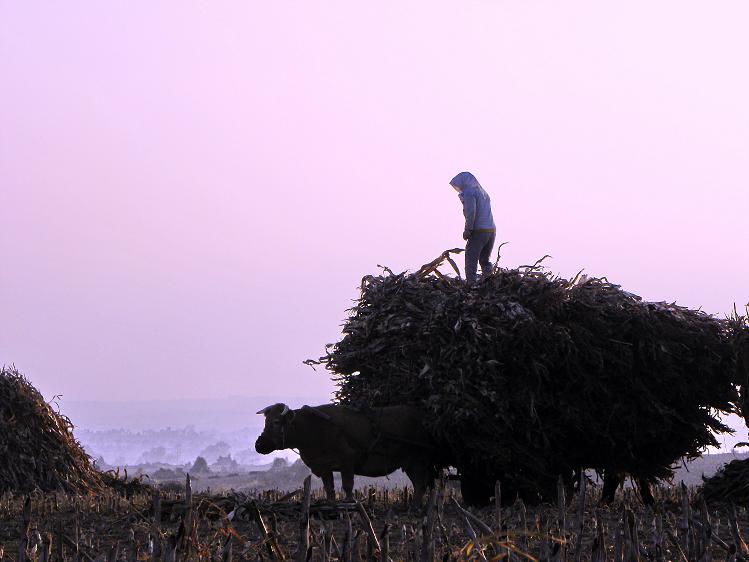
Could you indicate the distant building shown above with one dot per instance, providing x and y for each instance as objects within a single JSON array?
[
  {"x": 225, "y": 464},
  {"x": 200, "y": 466}
]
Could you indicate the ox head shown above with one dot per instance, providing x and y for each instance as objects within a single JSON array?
[{"x": 273, "y": 437}]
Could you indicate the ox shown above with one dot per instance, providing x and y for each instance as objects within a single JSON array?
[
  {"x": 335, "y": 438},
  {"x": 612, "y": 480}
]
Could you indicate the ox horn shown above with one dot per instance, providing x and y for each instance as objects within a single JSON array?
[{"x": 265, "y": 410}]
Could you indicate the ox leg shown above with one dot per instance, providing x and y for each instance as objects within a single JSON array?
[
  {"x": 645, "y": 492},
  {"x": 611, "y": 481},
  {"x": 347, "y": 482},
  {"x": 327, "y": 483},
  {"x": 420, "y": 478}
]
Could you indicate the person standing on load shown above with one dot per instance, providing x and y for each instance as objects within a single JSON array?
[{"x": 479, "y": 231}]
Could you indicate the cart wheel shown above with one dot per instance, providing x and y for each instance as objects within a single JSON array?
[{"x": 477, "y": 490}]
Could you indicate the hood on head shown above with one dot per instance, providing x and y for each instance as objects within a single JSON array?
[{"x": 465, "y": 180}]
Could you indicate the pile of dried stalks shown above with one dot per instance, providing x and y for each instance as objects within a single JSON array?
[
  {"x": 37, "y": 447},
  {"x": 528, "y": 376},
  {"x": 729, "y": 485}
]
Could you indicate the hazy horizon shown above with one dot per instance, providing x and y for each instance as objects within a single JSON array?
[
  {"x": 227, "y": 413},
  {"x": 131, "y": 431},
  {"x": 232, "y": 414}
]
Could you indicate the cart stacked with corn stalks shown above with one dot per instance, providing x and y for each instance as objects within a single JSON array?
[{"x": 527, "y": 376}]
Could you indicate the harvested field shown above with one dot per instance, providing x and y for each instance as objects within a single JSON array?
[{"x": 271, "y": 525}]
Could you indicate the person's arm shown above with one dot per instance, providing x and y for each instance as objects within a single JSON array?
[{"x": 469, "y": 212}]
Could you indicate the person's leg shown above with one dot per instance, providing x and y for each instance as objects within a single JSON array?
[
  {"x": 486, "y": 253},
  {"x": 473, "y": 248}
]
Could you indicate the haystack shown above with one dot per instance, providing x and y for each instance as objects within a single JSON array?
[
  {"x": 37, "y": 447},
  {"x": 729, "y": 485},
  {"x": 528, "y": 376}
]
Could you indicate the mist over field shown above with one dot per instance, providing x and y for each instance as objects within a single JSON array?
[{"x": 174, "y": 431}]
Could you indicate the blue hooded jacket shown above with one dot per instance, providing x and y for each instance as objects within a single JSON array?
[{"x": 477, "y": 207}]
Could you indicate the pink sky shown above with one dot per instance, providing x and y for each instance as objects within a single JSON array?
[{"x": 190, "y": 192}]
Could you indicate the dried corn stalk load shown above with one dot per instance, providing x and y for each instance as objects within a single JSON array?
[
  {"x": 528, "y": 376},
  {"x": 729, "y": 485},
  {"x": 37, "y": 447}
]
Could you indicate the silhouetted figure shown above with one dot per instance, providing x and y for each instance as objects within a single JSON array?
[{"x": 479, "y": 231}]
